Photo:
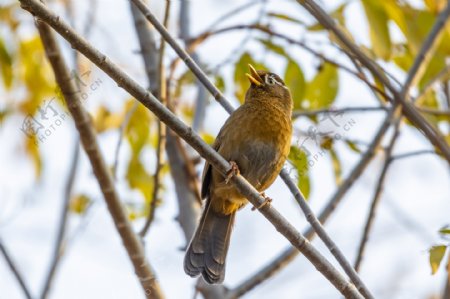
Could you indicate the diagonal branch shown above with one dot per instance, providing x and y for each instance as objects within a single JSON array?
[
  {"x": 15, "y": 271},
  {"x": 185, "y": 132},
  {"x": 377, "y": 195},
  {"x": 425, "y": 54},
  {"x": 299, "y": 113},
  {"x": 101, "y": 171},
  {"x": 60, "y": 242},
  {"x": 160, "y": 146}
]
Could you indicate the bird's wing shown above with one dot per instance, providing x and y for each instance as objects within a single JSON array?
[{"x": 207, "y": 171}]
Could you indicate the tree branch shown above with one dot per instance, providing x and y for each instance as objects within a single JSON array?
[
  {"x": 202, "y": 95},
  {"x": 377, "y": 196},
  {"x": 299, "y": 113},
  {"x": 15, "y": 271},
  {"x": 60, "y": 242},
  {"x": 160, "y": 146},
  {"x": 218, "y": 162},
  {"x": 101, "y": 171},
  {"x": 426, "y": 52}
]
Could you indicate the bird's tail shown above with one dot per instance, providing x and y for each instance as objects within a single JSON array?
[{"x": 208, "y": 249}]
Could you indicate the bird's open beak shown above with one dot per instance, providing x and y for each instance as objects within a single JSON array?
[{"x": 254, "y": 77}]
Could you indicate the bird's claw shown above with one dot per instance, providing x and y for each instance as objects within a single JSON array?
[
  {"x": 267, "y": 201},
  {"x": 234, "y": 170}
]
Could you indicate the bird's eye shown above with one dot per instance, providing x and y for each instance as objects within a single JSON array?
[{"x": 270, "y": 80}]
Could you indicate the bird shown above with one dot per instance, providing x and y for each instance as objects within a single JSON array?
[{"x": 256, "y": 139}]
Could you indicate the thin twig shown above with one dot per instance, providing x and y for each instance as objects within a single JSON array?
[
  {"x": 299, "y": 113},
  {"x": 441, "y": 76},
  {"x": 60, "y": 243},
  {"x": 426, "y": 52},
  {"x": 218, "y": 162},
  {"x": 434, "y": 111},
  {"x": 412, "y": 154},
  {"x": 160, "y": 146},
  {"x": 15, "y": 271},
  {"x": 377, "y": 196},
  {"x": 122, "y": 129},
  {"x": 202, "y": 95},
  {"x": 88, "y": 138}
]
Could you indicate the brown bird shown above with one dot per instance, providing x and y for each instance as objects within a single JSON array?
[{"x": 256, "y": 140}]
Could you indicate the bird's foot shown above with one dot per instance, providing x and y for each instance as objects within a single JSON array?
[
  {"x": 267, "y": 201},
  {"x": 234, "y": 170}
]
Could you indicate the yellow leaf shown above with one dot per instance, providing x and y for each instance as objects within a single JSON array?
[
  {"x": 32, "y": 149},
  {"x": 79, "y": 203},
  {"x": 436, "y": 256},
  {"x": 379, "y": 30},
  {"x": 322, "y": 90}
]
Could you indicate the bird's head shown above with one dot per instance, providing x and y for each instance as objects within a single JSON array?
[{"x": 268, "y": 85}]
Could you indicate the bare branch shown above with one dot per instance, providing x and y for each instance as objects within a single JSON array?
[
  {"x": 148, "y": 48},
  {"x": 101, "y": 171},
  {"x": 15, "y": 271},
  {"x": 122, "y": 129},
  {"x": 299, "y": 113},
  {"x": 218, "y": 162},
  {"x": 160, "y": 146},
  {"x": 441, "y": 76},
  {"x": 412, "y": 154},
  {"x": 202, "y": 95},
  {"x": 60, "y": 242},
  {"x": 425, "y": 54},
  {"x": 377, "y": 196}
]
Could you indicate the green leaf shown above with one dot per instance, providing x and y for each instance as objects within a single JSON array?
[
  {"x": 445, "y": 230},
  {"x": 295, "y": 80},
  {"x": 32, "y": 149},
  {"x": 298, "y": 158},
  {"x": 353, "y": 146},
  {"x": 5, "y": 65},
  {"x": 379, "y": 30},
  {"x": 273, "y": 47},
  {"x": 240, "y": 79},
  {"x": 138, "y": 178},
  {"x": 285, "y": 17},
  {"x": 323, "y": 89},
  {"x": 137, "y": 131},
  {"x": 337, "y": 14},
  {"x": 79, "y": 203},
  {"x": 219, "y": 82},
  {"x": 337, "y": 166},
  {"x": 436, "y": 256},
  {"x": 435, "y": 6}
]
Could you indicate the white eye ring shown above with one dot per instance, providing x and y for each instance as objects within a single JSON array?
[{"x": 270, "y": 80}]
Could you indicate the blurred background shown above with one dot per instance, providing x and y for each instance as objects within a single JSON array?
[{"x": 56, "y": 231}]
